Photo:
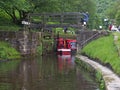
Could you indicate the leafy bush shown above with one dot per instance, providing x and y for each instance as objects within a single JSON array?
[{"x": 8, "y": 52}]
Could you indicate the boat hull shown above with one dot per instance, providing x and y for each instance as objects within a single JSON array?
[{"x": 66, "y": 46}]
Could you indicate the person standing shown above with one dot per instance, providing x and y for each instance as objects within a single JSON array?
[
  {"x": 85, "y": 18},
  {"x": 65, "y": 29}
]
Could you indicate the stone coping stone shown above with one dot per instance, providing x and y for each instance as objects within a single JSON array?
[{"x": 112, "y": 81}]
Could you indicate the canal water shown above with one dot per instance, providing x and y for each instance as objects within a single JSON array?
[{"x": 51, "y": 72}]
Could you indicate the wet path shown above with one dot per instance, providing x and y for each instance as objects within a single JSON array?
[{"x": 44, "y": 73}]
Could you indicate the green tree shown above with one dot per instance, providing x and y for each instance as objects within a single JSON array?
[
  {"x": 103, "y": 5},
  {"x": 16, "y": 9},
  {"x": 19, "y": 9},
  {"x": 117, "y": 15},
  {"x": 114, "y": 12}
]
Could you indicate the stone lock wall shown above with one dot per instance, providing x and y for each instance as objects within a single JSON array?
[{"x": 24, "y": 41}]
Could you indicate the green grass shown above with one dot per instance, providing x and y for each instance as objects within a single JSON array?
[
  {"x": 117, "y": 42},
  {"x": 105, "y": 50},
  {"x": 8, "y": 52}
]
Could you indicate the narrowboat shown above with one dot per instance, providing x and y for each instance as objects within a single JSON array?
[{"x": 66, "y": 46}]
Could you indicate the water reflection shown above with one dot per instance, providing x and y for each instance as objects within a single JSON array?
[
  {"x": 65, "y": 63},
  {"x": 45, "y": 73}
]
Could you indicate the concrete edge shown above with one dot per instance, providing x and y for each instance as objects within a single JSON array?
[{"x": 112, "y": 81}]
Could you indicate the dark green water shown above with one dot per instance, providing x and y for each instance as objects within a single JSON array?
[{"x": 49, "y": 72}]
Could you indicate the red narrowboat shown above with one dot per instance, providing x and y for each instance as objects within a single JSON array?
[{"x": 65, "y": 46}]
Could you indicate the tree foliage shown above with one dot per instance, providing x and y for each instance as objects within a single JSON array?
[
  {"x": 103, "y": 5},
  {"x": 107, "y": 9},
  {"x": 113, "y": 12},
  {"x": 18, "y": 9}
]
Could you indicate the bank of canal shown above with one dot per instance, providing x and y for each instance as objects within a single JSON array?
[
  {"x": 50, "y": 72},
  {"x": 112, "y": 81}
]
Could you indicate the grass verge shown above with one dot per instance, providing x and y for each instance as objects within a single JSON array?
[{"x": 104, "y": 50}]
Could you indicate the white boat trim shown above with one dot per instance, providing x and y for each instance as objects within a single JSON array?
[{"x": 64, "y": 50}]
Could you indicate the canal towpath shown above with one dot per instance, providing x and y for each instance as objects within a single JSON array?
[{"x": 112, "y": 81}]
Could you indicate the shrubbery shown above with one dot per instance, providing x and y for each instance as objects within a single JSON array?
[{"x": 8, "y": 52}]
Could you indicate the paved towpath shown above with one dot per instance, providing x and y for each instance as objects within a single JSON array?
[{"x": 112, "y": 81}]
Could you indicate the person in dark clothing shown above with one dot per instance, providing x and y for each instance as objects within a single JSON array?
[
  {"x": 65, "y": 29},
  {"x": 85, "y": 18}
]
